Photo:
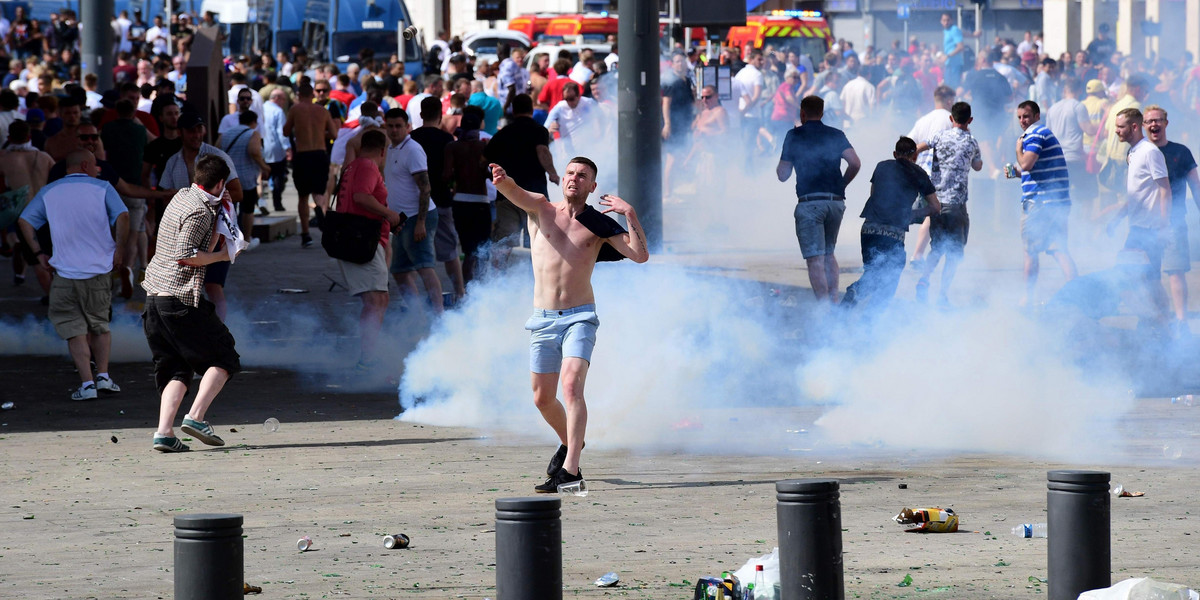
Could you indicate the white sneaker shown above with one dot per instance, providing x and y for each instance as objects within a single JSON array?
[
  {"x": 105, "y": 384},
  {"x": 85, "y": 393},
  {"x": 254, "y": 243}
]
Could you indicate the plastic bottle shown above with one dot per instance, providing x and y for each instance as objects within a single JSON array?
[
  {"x": 760, "y": 580},
  {"x": 749, "y": 593},
  {"x": 1030, "y": 530}
]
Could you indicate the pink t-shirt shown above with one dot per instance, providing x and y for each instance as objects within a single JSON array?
[{"x": 363, "y": 177}]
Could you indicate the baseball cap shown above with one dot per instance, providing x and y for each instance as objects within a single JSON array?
[
  {"x": 189, "y": 120},
  {"x": 35, "y": 115},
  {"x": 1095, "y": 86}
]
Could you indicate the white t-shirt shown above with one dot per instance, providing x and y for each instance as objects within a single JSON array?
[
  {"x": 572, "y": 121},
  {"x": 414, "y": 110},
  {"x": 1066, "y": 120},
  {"x": 858, "y": 96},
  {"x": 934, "y": 121},
  {"x": 611, "y": 60},
  {"x": 403, "y": 161},
  {"x": 580, "y": 73},
  {"x": 1146, "y": 166},
  {"x": 159, "y": 39},
  {"x": 749, "y": 77},
  {"x": 122, "y": 29},
  {"x": 256, "y": 105}
]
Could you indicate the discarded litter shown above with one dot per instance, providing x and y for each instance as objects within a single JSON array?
[
  {"x": 114, "y": 439},
  {"x": 727, "y": 586},
  {"x": 271, "y": 425},
  {"x": 907, "y": 581},
  {"x": 1186, "y": 400},
  {"x": 1119, "y": 491},
  {"x": 928, "y": 520},
  {"x": 903, "y": 486},
  {"x": 304, "y": 544},
  {"x": 7, "y": 406},
  {"x": 396, "y": 541},
  {"x": 608, "y": 579},
  {"x": 292, "y": 291},
  {"x": 765, "y": 580},
  {"x": 1142, "y": 587},
  {"x": 578, "y": 488},
  {"x": 250, "y": 589},
  {"x": 1030, "y": 530}
]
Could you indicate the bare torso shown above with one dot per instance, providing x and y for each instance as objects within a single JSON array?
[
  {"x": 711, "y": 122},
  {"x": 59, "y": 145},
  {"x": 310, "y": 126},
  {"x": 26, "y": 168},
  {"x": 564, "y": 254}
]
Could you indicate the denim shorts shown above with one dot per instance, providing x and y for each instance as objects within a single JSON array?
[
  {"x": 1177, "y": 256},
  {"x": 817, "y": 225},
  {"x": 408, "y": 254},
  {"x": 554, "y": 334}
]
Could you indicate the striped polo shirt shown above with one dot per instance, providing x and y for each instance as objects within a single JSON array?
[{"x": 1047, "y": 181}]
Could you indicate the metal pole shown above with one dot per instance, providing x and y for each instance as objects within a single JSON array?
[
  {"x": 528, "y": 548},
  {"x": 1078, "y": 528},
  {"x": 671, "y": 23},
  {"x": 96, "y": 40},
  {"x": 809, "y": 517},
  {"x": 639, "y": 110},
  {"x": 208, "y": 557}
]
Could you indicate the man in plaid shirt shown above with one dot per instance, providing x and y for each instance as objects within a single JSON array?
[{"x": 182, "y": 329}]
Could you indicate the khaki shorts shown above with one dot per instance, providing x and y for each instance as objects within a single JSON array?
[
  {"x": 137, "y": 213},
  {"x": 369, "y": 277},
  {"x": 80, "y": 306}
]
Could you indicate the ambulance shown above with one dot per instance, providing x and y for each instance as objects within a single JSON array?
[{"x": 805, "y": 31}]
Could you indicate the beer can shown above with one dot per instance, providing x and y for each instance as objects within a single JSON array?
[
  {"x": 1010, "y": 170},
  {"x": 395, "y": 541},
  {"x": 304, "y": 543}
]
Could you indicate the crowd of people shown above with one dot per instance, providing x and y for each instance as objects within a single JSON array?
[{"x": 412, "y": 151}]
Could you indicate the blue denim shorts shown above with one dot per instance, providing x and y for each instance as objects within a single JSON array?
[
  {"x": 408, "y": 254},
  {"x": 554, "y": 334}
]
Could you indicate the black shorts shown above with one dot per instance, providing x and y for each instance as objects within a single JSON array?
[
  {"x": 186, "y": 340},
  {"x": 948, "y": 230},
  {"x": 249, "y": 202},
  {"x": 217, "y": 273},
  {"x": 473, "y": 221},
  {"x": 310, "y": 172}
]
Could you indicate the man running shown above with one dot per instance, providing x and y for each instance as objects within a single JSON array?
[
  {"x": 311, "y": 125},
  {"x": 568, "y": 237}
]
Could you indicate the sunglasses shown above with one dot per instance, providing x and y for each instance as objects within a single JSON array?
[
  {"x": 322, "y": 90},
  {"x": 706, "y": 96},
  {"x": 87, "y": 137}
]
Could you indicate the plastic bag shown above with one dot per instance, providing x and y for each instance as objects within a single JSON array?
[
  {"x": 770, "y": 563},
  {"x": 1141, "y": 588}
]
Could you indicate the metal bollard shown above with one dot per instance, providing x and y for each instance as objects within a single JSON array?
[
  {"x": 810, "y": 539},
  {"x": 1078, "y": 531},
  {"x": 528, "y": 549},
  {"x": 208, "y": 557}
]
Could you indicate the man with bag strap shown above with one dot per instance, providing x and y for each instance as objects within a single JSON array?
[{"x": 361, "y": 191}]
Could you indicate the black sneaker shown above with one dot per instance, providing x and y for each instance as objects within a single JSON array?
[
  {"x": 263, "y": 212},
  {"x": 560, "y": 477},
  {"x": 306, "y": 241},
  {"x": 556, "y": 461}
]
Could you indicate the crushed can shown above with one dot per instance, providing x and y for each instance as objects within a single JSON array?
[
  {"x": 928, "y": 520},
  {"x": 395, "y": 541},
  {"x": 304, "y": 544}
]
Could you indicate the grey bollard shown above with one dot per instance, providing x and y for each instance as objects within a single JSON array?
[
  {"x": 810, "y": 539},
  {"x": 1078, "y": 528},
  {"x": 208, "y": 557},
  {"x": 528, "y": 549}
]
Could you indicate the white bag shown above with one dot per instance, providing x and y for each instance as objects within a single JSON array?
[
  {"x": 770, "y": 563},
  {"x": 1141, "y": 588}
]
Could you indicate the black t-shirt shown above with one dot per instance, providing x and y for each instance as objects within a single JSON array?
[
  {"x": 434, "y": 141},
  {"x": 161, "y": 149},
  {"x": 515, "y": 149},
  {"x": 988, "y": 88},
  {"x": 1101, "y": 50},
  {"x": 895, "y": 184},
  {"x": 107, "y": 172},
  {"x": 1180, "y": 162},
  {"x": 815, "y": 151},
  {"x": 683, "y": 103}
]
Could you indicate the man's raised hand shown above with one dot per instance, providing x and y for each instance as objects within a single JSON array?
[
  {"x": 615, "y": 204},
  {"x": 498, "y": 174}
]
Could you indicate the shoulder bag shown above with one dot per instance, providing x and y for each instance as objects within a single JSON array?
[{"x": 349, "y": 237}]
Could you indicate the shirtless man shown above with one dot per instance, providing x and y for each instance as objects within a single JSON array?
[
  {"x": 59, "y": 145},
  {"x": 311, "y": 125},
  {"x": 563, "y": 327}
]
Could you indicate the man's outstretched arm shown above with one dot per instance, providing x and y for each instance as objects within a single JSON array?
[
  {"x": 525, "y": 200},
  {"x": 632, "y": 244}
]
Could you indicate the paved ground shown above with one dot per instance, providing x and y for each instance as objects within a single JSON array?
[{"x": 88, "y": 507}]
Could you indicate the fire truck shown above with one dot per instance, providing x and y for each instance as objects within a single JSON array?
[
  {"x": 806, "y": 31},
  {"x": 532, "y": 25},
  {"x": 590, "y": 28}
]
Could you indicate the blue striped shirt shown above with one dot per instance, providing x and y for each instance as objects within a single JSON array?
[{"x": 1047, "y": 181}]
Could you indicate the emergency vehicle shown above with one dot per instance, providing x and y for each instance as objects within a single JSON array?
[
  {"x": 532, "y": 25},
  {"x": 590, "y": 28},
  {"x": 805, "y": 31}
]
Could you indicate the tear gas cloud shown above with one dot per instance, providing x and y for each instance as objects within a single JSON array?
[{"x": 680, "y": 347}]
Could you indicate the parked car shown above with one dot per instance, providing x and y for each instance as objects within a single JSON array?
[
  {"x": 485, "y": 44},
  {"x": 600, "y": 51}
]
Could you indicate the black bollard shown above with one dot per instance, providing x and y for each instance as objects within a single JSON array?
[
  {"x": 1078, "y": 527},
  {"x": 528, "y": 549},
  {"x": 810, "y": 539},
  {"x": 208, "y": 557}
]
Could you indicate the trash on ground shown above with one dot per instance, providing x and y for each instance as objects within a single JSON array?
[
  {"x": 928, "y": 520},
  {"x": 608, "y": 579},
  {"x": 304, "y": 544},
  {"x": 292, "y": 291},
  {"x": 7, "y": 406},
  {"x": 903, "y": 486},
  {"x": 271, "y": 425},
  {"x": 396, "y": 541},
  {"x": 726, "y": 586},
  {"x": 907, "y": 581},
  {"x": 1030, "y": 530},
  {"x": 577, "y": 488},
  {"x": 1142, "y": 587},
  {"x": 113, "y": 439},
  {"x": 1119, "y": 491},
  {"x": 250, "y": 589},
  {"x": 769, "y": 574}
]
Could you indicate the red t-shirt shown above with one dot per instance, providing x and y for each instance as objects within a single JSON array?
[
  {"x": 342, "y": 96},
  {"x": 403, "y": 100},
  {"x": 552, "y": 92},
  {"x": 363, "y": 177}
]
